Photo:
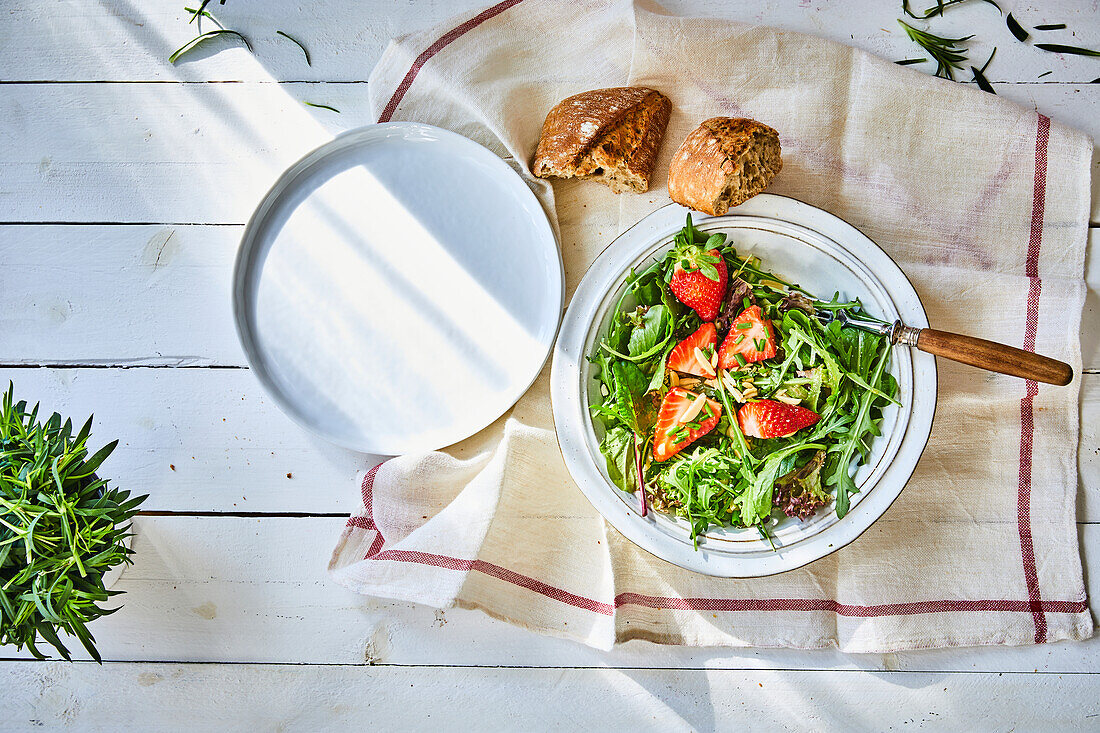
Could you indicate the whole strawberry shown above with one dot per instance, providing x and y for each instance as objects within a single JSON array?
[{"x": 699, "y": 280}]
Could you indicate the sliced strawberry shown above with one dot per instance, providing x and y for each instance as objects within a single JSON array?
[
  {"x": 685, "y": 356},
  {"x": 679, "y": 411},
  {"x": 748, "y": 332},
  {"x": 693, "y": 287},
  {"x": 771, "y": 419}
]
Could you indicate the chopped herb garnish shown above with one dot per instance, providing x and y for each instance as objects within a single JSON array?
[
  {"x": 1051, "y": 27},
  {"x": 741, "y": 359},
  {"x": 1045, "y": 73},
  {"x": 739, "y": 339},
  {"x": 743, "y": 326}
]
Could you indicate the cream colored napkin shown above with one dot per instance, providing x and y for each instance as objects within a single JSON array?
[{"x": 983, "y": 203}]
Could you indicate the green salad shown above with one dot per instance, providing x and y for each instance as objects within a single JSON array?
[{"x": 725, "y": 398}]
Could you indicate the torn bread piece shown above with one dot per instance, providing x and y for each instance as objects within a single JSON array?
[
  {"x": 723, "y": 163},
  {"x": 610, "y": 135}
]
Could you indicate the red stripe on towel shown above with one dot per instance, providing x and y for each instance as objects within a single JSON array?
[
  {"x": 445, "y": 40},
  {"x": 725, "y": 604},
  {"x": 1027, "y": 415}
]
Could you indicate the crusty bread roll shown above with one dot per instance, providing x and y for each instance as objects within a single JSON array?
[
  {"x": 723, "y": 162},
  {"x": 611, "y": 135}
]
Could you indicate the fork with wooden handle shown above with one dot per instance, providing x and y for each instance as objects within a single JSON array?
[{"x": 965, "y": 349}]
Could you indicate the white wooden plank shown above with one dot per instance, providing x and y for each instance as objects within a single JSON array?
[
  {"x": 206, "y": 153},
  {"x": 186, "y": 153},
  {"x": 126, "y": 40},
  {"x": 118, "y": 294},
  {"x": 161, "y": 696},
  {"x": 233, "y": 589},
  {"x": 210, "y": 440},
  {"x": 198, "y": 439}
]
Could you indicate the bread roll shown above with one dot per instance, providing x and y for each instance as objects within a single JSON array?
[
  {"x": 611, "y": 135},
  {"x": 722, "y": 163}
]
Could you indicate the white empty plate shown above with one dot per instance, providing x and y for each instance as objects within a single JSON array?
[{"x": 398, "y": 289}]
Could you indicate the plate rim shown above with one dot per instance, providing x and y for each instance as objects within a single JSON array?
[
  {"x": 566, "y": 374},
  {"x": 250, "y": 247}
]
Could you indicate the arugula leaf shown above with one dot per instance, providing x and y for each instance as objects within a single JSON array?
[{"x": 841, "y": 477}]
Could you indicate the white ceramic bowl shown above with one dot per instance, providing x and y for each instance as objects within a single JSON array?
[{"x": 823, "y": 254}]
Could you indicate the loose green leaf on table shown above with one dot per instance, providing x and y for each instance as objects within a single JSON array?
[{"x": 204, "y": 38}]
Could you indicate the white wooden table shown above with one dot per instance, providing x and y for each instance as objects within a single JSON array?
[{"x": 124, "y": 184}]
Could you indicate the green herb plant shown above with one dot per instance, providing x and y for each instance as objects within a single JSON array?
[
  {"x": 61, "y": 529},
  {"x": 723, "y": 478}
]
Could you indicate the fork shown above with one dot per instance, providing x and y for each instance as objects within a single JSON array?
[{"x": 955, "y": 346}]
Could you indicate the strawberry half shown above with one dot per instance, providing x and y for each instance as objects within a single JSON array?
[
  {"x": 692, "y": 283},
  {"x": 771, "y": 419},
  {"x": 685, "y": 356},
  {"x": 748, "y": 332},
  {"x": 679, "y": 412}
]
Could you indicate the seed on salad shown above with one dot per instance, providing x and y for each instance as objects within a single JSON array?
[
  {"x": 703, "y": 360},
  {"x": 694, "y": 409}
]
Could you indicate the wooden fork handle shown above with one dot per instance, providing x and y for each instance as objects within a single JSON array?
[{"x": 993, "y": 356}]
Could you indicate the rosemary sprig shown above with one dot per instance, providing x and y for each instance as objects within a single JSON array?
[
  {"x": 297, "y": 43},
  {"x": 938, "y": 9},
  {"x": 1059, "y": 48},
  {"x": 61, "y": 528},
  {"x": 321, "y": 106},
  {"x": 1051, "y": 27},
  {"x": 910, "y": 62},
  {"x": 203, "y": 38},
  {"x": 946, "y": 52}
]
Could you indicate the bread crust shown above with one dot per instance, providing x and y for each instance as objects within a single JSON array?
[
  {"x": 723, "y": 163},
  {"x": 612, "y": 135}
]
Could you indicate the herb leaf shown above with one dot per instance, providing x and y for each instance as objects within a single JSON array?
[
  {"x": 938, "y": 8},
  {"x": 322, "y": 106},
  {"x": 297, "y": 43},
  {"x": 1017, "y": 29},
  {"x": 203, "y": 38},
  {"x": 1059, "y": 48},
  {"x": 200, "y": 11}
]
